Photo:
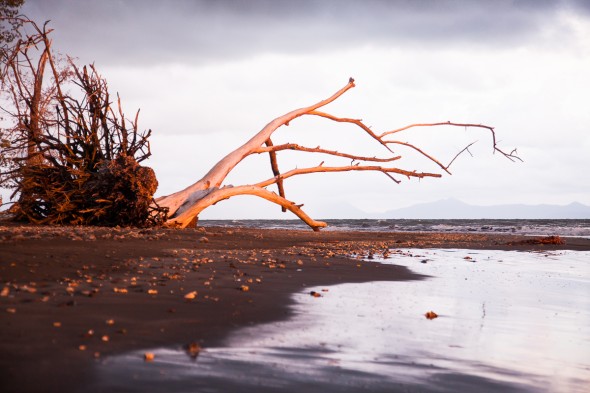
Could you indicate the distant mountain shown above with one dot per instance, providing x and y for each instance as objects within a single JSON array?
[{"x": 452, "y": 208}]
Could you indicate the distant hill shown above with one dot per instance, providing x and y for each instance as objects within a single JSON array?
[{"x": 452, "y": 208}]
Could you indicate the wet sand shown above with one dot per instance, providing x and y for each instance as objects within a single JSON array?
[{"x": 73, "y": 296}]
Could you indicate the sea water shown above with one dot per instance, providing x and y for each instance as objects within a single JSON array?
[
  {"x": 507, "y": 322},
  {"x": 572, "y": 228}
]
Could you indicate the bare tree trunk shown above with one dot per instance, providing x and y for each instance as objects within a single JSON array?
[
  {"x": 35, "y": 111},
  {"x": 185, "y": 205}
]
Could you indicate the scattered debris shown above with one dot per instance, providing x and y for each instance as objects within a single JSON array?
[
  {"x": 244, "y": 288},
  {"x": 315, "y": 294},
  {"x": 191, "y": 295},
  {"x": 193, "y": 349},
  {"x": 28, "y": 289},
  {"x": 149, "y": 356},
  {"x": 557, "y": 240}
]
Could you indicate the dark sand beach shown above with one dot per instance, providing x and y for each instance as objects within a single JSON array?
[{"x": 74, "y": 296}]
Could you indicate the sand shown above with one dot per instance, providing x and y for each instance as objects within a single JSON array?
[{"x": 73, "y": 296}]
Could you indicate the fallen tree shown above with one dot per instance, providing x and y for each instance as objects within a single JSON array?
[
  {"x": 72, "y": 157},
  {"x": 69, "y": 153},
  {"x": 185, "y": 206}
]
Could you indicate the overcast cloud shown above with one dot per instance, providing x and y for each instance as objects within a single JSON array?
[
  {"x": 208, "y": 74},
  {"x": 142, "y": 32}
]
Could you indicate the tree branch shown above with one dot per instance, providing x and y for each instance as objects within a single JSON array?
[
  {"x": 465, "y": 149},
  {"x": 294, "y": 146},
  {"x": 275, "y": 170},
  {"x": 347, "y": 168},
  {"x": 511, "y": 156},
  {"x": 352, "y": 121},
  {"x": 431, "y": 158},
  {"x": 187, "y": 216}
]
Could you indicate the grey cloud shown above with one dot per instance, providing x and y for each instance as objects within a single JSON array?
[
  {"x": 579, "y": 6},
  {"x": 152, "y": 32}
]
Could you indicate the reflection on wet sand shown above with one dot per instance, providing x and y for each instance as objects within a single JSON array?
[{"x": 507, "y": 322}]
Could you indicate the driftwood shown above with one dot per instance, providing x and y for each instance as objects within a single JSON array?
[
  {"x": 185, "y": 206},
  {"x": 74, "y": 158},
  {"x": 71, "y": 156}
]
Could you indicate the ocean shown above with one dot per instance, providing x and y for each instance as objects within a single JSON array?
[{"x": 541, "y": 227}]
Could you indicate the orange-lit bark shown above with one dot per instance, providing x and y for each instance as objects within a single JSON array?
[{"x": 185, "y": 205}]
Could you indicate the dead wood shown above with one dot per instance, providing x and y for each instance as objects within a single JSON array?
[
  {"x": 73, "y": 159},
  {"x": 186, "y": 205}
]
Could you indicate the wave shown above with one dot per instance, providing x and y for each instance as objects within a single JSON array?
[{"x": 539, "y": 227}]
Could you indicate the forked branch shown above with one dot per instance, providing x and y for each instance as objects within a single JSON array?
[{"x": 512, "y": 156}]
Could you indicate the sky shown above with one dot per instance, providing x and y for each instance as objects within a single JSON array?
[{"x": 207, "y": 75}]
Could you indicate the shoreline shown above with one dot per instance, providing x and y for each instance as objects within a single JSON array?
[{"x": 113, "y": 290}]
